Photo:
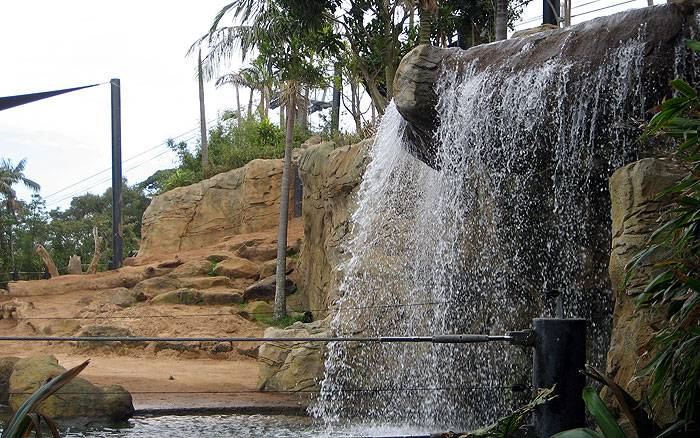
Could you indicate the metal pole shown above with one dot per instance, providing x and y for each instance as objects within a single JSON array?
[
  {"x": 560, "y": 352},
  {"x": 550, "y": 12},
  {"x": 117, "y": 232}
]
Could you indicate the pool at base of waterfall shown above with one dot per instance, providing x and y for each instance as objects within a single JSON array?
[{"x": 229, "y": 426}]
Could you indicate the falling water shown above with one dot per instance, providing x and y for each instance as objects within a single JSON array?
[{"x": 518, "y": 208}]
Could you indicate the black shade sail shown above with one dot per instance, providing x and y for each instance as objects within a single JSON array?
[{"x": 13, "y": 101}]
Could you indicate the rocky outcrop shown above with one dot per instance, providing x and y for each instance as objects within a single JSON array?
[
  {"x": 127, "y": 277},
  {"x": 581, "y": 48},
  {"x": 240, "y": 201},
  {"x": 331, "y": 176},
  {"x": 78, "y": 399},
  {"x": 7, "y": 365},
  {"x": 636, "y": 206},
  {"x": 293, "y": 366}
]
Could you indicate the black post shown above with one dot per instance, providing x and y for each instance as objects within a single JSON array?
[
  {"x": 117, "y": 244},
  {"x": 550, "y": 12},
  {"x": 15, "y": 275},
  {"x": 560, "y": 352}
]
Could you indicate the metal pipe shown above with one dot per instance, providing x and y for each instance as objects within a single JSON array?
[
  {"x": 117, "y": 231},
  {"x": 440, "y": 339}
]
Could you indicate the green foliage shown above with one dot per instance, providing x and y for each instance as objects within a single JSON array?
[
  {"x": 602, "y": 417},
  {"x": 26, "y": 418},
  {"x": 509, "y": 425},
  {"x": 675, "y": 368},
  {"x": 284, "y": 322}
]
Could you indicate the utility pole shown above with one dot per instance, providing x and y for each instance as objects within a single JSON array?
[
  {"x": 501, "y": 19},
  {"x": 117, "y": 231}
]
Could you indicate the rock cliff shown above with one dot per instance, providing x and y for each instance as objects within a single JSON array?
[
  {"x": 243, "y": 200},
  {"x": 636, "y": 206},
  {"x": 330, "y": 177}
]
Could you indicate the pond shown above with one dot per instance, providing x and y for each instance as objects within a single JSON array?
[{"x": 226, "y": 426}]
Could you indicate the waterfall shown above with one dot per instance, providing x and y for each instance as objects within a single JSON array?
[{"x": 518, "y": 207}]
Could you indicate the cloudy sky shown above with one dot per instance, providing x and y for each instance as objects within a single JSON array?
[{"x": 48, "y": 45}]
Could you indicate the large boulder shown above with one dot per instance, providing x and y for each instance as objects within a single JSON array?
[
  {"x": 77, "y": 399},
  {"x": 264, "y": 290},
  {"x": 331, "y": 177},
  {"x": 236, "y": 267},
  {"x": 149, "y": 288},
  {"x": 580, "y": 48},
  {"x": 636, "y": 206},
  {"x": 240, "y": 201},
  {"x": 293, "y": 366},
  {"x": 7, "y": 365}
]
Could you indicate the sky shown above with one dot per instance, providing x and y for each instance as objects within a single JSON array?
[{"x": 66, "y": 140}]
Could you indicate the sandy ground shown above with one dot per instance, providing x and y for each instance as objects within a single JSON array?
[{"x": 160, "y": 380}]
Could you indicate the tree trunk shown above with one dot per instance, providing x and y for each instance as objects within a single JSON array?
[
  {"x": 250, "y": 103},
  {"x": 335, "y": 107},
  {"x": 202, "y": 117},
  {"x": 238, "y": 104},
  {"x": 304, "y": 110},
  {"x": 74, "y": 266},
  {"x": 283, "y": 109},
  {"x": 281, "y": 277},
  {"x": 94, "y": 263},
  {"x": 46, "y": 257},
  {"x": 501, "y": 19}
]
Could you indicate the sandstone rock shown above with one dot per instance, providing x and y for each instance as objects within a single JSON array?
[
  {"x": 14, "y": 309},
  {"x": 7, "y": 365},
  {"x": 331, "y": 177},
  {"x": 120, "y": 296},
  {"x": 221, "y": 297},
  {"x": 220, "y": 256},
  {"x": 180, "y": 296},
  {"x": 636, "y": 207},
  {"x": 270, "y": 268},
  {"x": 258, "y": 253},
  {"x": 248, "y": 348},
  {"x": 237, "y": 267},
  {"x": 208, "y": 282},
  {"x": 62, "y": 327},
  {"x": 192, "y": 269},
  {"x": 533, "y": 30},
  {"x": 174, "y": 346},
  {"x": 265, "y": 289},
  {"x": 102, "y": 331},
  {"x": 260, "y": 308},
  {"x": 78, "y": 399},
  {"x": 125, "y": 277},
  {"x": 147, "y": 289},
  {"x": 311, "y": 141},
  {"x": 293, "y": 366},
  {"x": 240, "y": 201}
]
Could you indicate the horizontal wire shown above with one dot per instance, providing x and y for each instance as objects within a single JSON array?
[{"x": 441, "y": 339}]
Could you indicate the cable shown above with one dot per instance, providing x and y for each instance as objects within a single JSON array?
[
  {"x": 210, "y": 122},
  {"x": 605, "y": 7}
]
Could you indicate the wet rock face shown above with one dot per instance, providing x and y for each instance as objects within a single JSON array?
[{"x": 580, "y": 47}]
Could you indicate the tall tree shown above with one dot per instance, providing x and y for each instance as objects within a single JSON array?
[
  {"x": 9, "y": 176},
  {"x": 289, "y": 35},
  {"x": 202, "y": 116},
  {"x": 237, "y": 80}
]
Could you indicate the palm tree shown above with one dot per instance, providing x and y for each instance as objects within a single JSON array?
[
  {"x": 9, "y": 176},
  {"x": 237, "y": 80},
  {"x": 287, "y": 37}
]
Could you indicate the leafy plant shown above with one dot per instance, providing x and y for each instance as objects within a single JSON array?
[
  {"x": 26, "y": 418},
  {"x": 602, "y": 416},
  {"x": 508, "y": 426},
  {"x": 675, "y": 368}
]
